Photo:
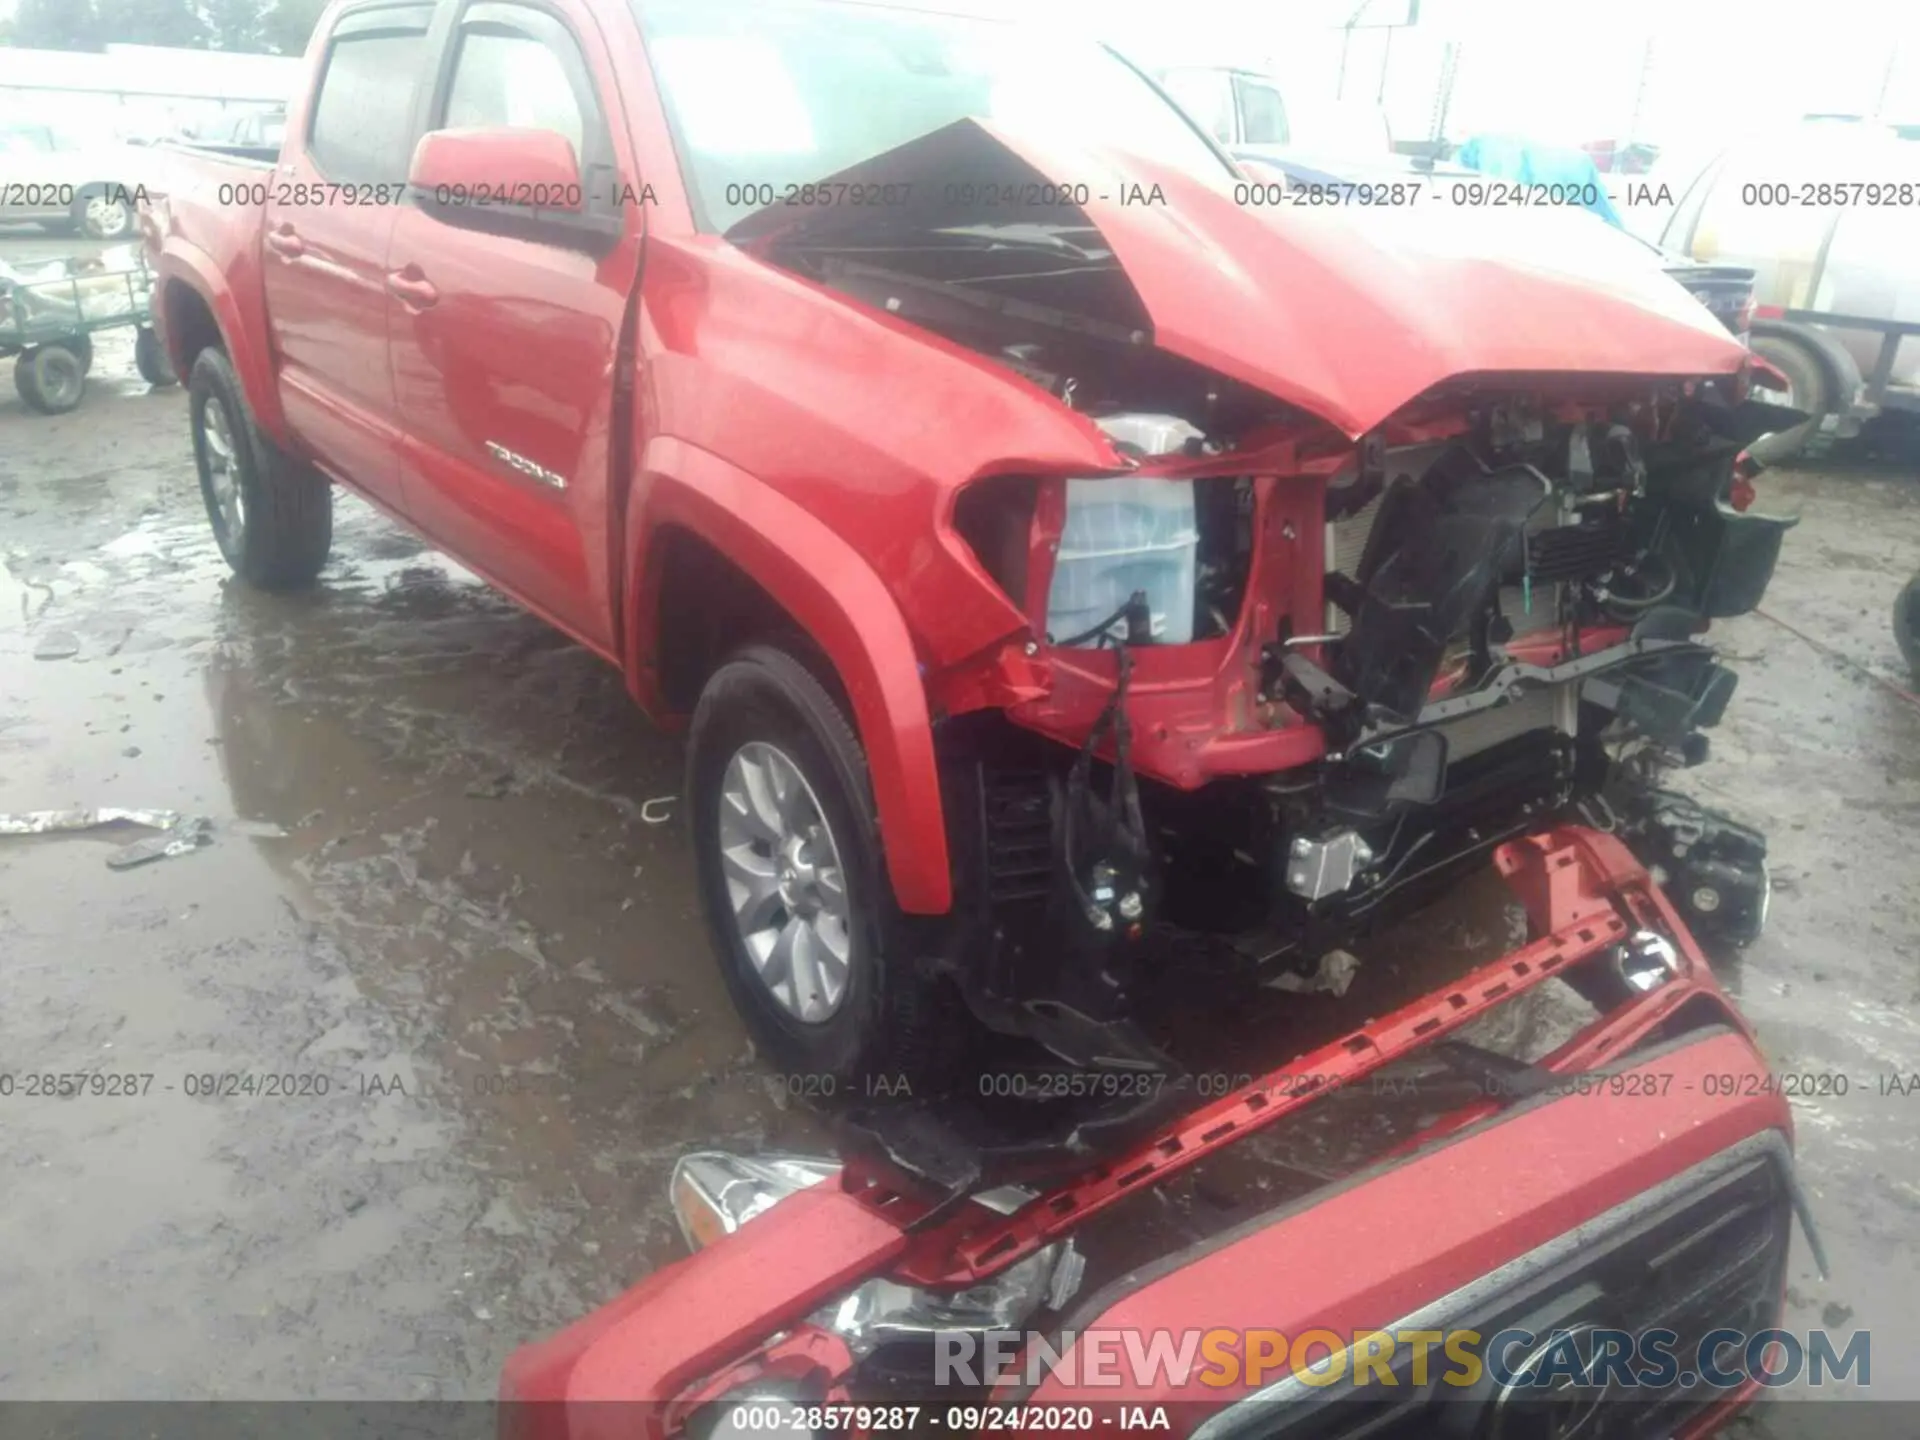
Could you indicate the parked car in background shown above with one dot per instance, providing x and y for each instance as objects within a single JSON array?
[
  {"x": 255, "y": 129},
  {"x": 1236, "y": 107},
  {"x": 1250, "y": 109},
  {"x": 1825, "y": 215},
  {"x": 64, "y": 181}
]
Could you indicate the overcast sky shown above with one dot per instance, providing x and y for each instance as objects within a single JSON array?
[
  {"x": 1564, "y": 70},
  {"x": 1557, "y": 69}
]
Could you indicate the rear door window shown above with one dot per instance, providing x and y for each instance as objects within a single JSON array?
[
  {"x": 362, "y": 125},
  {"x": 1263, "y": 119}
]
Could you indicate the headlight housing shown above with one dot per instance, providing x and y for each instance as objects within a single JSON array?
[{"x": 714, "y": 1193}]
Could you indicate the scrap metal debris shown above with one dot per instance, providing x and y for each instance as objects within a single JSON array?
[
  {"x": 181, "y": 839},
  {"x": 44, "y": 822},
  {"x": 1332, "y": 976},
  {"x": 179, "y": 834},
  {"x": 659, "y": 810}
]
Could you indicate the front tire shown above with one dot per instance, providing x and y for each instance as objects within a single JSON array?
[
  {"x": 271, "y": 514},
  {"x": 793, "y": 883}
]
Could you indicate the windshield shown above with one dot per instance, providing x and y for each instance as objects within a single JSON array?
[
  {"x": 777, "y": 93},
  {"x": 24, "y": 139}
]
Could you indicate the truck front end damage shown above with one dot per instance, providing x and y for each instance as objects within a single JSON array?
[
  {"x": 1406, "y": 551},
  {"x": 1392, "y": 558},
  {"x": 1640, "y": 1181}
]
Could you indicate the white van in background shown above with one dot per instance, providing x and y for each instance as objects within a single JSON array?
[
  {"x": 1827, "y": 214},
  {"x": 1247, "y": 109}
]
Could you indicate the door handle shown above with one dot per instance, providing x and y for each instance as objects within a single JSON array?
[
  {"x": 412, "y": 288},
  {"x": 286, "y": 243}
]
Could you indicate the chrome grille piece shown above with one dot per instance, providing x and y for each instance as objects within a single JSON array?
[{"x": 1708, "y": 1249}]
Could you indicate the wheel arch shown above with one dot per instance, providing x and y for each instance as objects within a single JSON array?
[
  {"x": 195, "y": 308},
  {"x": 692, "y": 507}
]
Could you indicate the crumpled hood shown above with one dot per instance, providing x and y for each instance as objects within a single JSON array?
[{"x": 1347, "y": 311}]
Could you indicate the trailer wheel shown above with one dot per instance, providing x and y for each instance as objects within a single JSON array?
[
  {"x": 150, "y": 359},
  {"x": 271, "y": 514},
  {"x": 794, "y": 886},
  {"x": 1808, "y": 391},
  {"x": 104, "y": 212},
  {"x": 82, "y": 346},
  {"x": 1906, "y": 624},
  {"x": 50, "y": 378}
]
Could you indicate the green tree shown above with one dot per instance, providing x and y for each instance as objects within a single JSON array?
[
  {"x": 152, "y": 22},
  {"x": 235, "y": 24},
  {"x": 56, "y": 25},
  {"x": 290, "y": 24}
]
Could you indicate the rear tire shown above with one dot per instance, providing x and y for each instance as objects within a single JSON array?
[
  {"x": 51, "y": 379},
  {"x": 150, "y": 359},
  {"x": 1810, "y": 393},
  {"x": 271, "y": 514},
  {"x": 892, "y": 1017},
  {"x": 1906, "y": 625}
]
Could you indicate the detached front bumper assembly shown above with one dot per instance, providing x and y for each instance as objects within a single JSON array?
[{"x": 738, "y": 1309}]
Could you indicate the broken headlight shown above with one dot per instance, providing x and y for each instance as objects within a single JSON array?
[
  {"x": 715, "y": 1193},
  {"x": 1646, "y": 961}
]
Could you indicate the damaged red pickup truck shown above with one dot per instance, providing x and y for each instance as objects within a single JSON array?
[{"x": 1055, "y": 557}]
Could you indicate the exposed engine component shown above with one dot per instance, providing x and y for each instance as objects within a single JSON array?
[
  {"x": 1451, "y": 573},
  {"x": 1123, "y": 535},
  {"x": 1328, "y": 865},
  {"x": 1433, "y": 564},
  {"x": 1713, "y": 868},
  {"x": 1513, "y": 596}
]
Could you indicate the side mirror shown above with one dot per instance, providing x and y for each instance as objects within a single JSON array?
[{"x": 508, "y": 181}]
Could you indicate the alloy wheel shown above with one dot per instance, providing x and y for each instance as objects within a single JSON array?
[
  {"x": 223, "y": 474},
  {"x": 785, "y": 882},
  {"x": 107, "y": 219}
]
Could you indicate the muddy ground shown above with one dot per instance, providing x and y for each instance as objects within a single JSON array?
[{"x": 472, "y": 939}]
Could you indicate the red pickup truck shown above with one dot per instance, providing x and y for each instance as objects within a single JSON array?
[
  {"x": 1054, "y": 544},
  {"x": 1062, "y": 551}
]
